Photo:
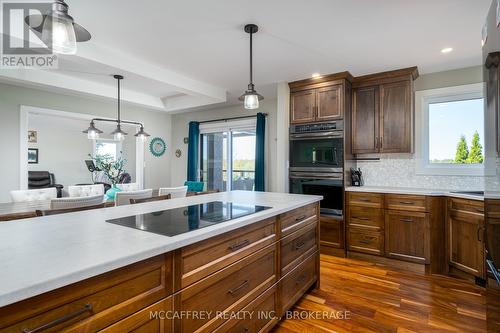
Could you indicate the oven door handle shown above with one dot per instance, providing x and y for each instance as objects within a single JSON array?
[
  {"x": 313, "y": 136},
  {"x": 315, "y": 176}
]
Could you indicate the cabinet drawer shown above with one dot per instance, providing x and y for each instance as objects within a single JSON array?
[
  {"x": 95, "y": 303},
  {"x": 297, "y": 246},
  {"x": 145, "y": 320},
  {"x": 228, "y": 290},
  {"x": 296, "y": 283},
  {"x": 259, "y": 316},
  {"x": 332, "y": 232},
  {"x": 365, "y": 240},
  {"x": 374, "y": 200},
  {"x": 295, "y": 219},
  {"x": 204, "y": 258},
  {"x": 366, "y": 217},
  {"x": 413, "y": 203},
  {"x": 466, "y": 206}
]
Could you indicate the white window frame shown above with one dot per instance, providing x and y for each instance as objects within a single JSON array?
[
  {"x": 449, "y": 94},
  {"x": 119, "y": 146},
  {"x": 226, "y": 127}
]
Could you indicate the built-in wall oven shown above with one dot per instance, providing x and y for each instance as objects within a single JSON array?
[{"x": 316, "y": 163}]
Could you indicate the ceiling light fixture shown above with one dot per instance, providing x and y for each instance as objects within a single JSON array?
[
  {"x": 118, "y": 134},
  {"x": 251, "y": 98},
  {"x": 447, "y": 50},
  {"x": 58, "y": 29}
]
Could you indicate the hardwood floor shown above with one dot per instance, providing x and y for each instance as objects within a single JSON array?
[{"x": 376, "y": 298}]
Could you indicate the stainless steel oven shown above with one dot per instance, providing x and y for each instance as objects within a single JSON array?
[
  {"x": 317, "y": 147},
  {"x": 329, "y": 185}
]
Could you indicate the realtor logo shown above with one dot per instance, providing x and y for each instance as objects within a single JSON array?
[{"x": 22, "y": 47}]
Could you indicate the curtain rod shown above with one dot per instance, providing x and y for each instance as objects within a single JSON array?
[{"x": 227, "y": 119}]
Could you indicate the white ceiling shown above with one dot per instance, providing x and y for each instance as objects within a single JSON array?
[{"x": 188, "y": 53}]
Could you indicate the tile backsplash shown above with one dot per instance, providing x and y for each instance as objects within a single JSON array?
[{"x": 400, "y": 171}]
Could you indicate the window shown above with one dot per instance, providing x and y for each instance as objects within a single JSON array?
[
  {"x": 228, "y": 155},
  {"x": 450, "y": 131},
  {"x": 107, "y": 147}
]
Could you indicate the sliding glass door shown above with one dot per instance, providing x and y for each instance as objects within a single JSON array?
[{"x": 228, "y": 159}]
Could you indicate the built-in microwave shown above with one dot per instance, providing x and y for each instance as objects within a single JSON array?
[{"x": 317, "y": 147}]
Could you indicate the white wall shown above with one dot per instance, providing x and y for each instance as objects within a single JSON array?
[
  {"x": 157, "y": 170},
  {"x": 180, "y": 131}
]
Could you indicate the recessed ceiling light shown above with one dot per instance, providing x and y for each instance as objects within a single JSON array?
[
  {"x": 447, "y": 50},
  {"x": 316, "y": 75}
]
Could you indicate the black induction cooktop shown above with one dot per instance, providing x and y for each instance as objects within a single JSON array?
[{"x": 181, "y": 220}]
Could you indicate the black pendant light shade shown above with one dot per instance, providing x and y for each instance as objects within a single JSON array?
[
  {"x": 251, "y": 98},
  {"x": 142, "y": 134},
  {"x": 58, "y": 29}
]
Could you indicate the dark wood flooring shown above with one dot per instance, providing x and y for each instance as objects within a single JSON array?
[{"x": 377, "y": 298}]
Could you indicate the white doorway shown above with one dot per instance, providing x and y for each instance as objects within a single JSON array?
[{"x": 55, "y": 150}]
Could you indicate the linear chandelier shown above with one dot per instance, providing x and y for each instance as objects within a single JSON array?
[{"x": 118, "y": 134}]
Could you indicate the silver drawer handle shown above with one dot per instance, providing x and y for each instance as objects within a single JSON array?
[
  {"x": 300, "y": 218},
  {"x": 235, "y": 247},
  {"x": 361, "y": 218},
  {"x": 407, "y": 202},
  {"x": 406, "y": 220},
  {"x": 86, "y": 308},
  {"x": 234, "y": 291}
]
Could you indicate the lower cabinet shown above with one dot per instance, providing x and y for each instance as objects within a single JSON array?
[
  {"x": 466, "y": 243},
  {"x": 332, "y": 232},
  {"x": 156, "y": 318},
  {"x": 407, "y": 236}
]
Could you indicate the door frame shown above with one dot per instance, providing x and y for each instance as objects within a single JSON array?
[{"x": 24, "y": 113}]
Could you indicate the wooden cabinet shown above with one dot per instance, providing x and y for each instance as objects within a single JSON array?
[
  {"x": 466, "y": 237},
  {"x": 153, "y": 319},
  {"x": 365, "y": 240},
  {"x": 331, "y": 232},
  {"x": 493, "y": 91},
  {"x": 365, "y": 120},
  {"x": 322, "y": 104},
  {"x": 324, "y": 99},
  {"x": 298, "y": 246},
  {"x": 294, "y": 220},
  {"x": 303, "y": 107},
  {"x": 407, "y": 236},
  {"x": 382, "y": 115}
]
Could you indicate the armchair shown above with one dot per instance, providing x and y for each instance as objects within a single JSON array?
[{"x": 43, "y": 179}]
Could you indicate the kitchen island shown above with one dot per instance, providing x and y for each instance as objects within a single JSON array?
[{"x": 76, "y": 272}]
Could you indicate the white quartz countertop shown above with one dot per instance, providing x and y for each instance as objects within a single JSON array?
[
  {"x": 41, "y": 254},
  {"x": 413, "y": 191}
]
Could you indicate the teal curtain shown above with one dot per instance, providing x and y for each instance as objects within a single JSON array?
[
  {"x": 193, "y": 151},
  {"x": 260, "y": 152}
]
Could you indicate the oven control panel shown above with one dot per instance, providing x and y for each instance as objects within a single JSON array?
[{"x": 318, "y": 127}]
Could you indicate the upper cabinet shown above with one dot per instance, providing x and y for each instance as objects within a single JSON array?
[
  {"x": 323, "y": 99},
  {"x": 383, "y": 112}
]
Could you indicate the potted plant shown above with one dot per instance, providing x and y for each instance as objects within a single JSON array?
[{"x": 113, "y": 169}]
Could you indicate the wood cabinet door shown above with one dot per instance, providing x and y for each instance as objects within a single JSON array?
[
  {"x": 365, "y": 120},
  {"x": 396, "y": 117},
  {"x": 303, "y": 107},
  {"x": 492, "y": 98},
  {"x": 466, "y": 244},
  {"x": 407, "y": 236},
  {"x": 332, "y": 232},
  {"x": 329, "y": 104}
]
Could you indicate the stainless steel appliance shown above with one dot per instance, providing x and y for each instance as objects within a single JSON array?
[
  {"x": 329, "y": 185},
  {"x": 317, "y": 147},
  {"x": 317, "y": 163}
]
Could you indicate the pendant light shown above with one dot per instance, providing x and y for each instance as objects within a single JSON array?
[
  {"x": 118, "y": 134},
  {"x": 58, "y": 29},
  {"x": 251, "y": 98}
]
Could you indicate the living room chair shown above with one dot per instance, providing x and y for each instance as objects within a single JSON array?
[
  {"x": 129, "y": 187},
  {"x": 78, "y": 191},
  {"x": 33, "y": 195},
  {"x": 78, "y": 202},
  {"x": 43, "y": 179},
  {"x": 123, "y": 198},
  {"x": 152, "y": 199},
  {"x": 175, "y": 192}
]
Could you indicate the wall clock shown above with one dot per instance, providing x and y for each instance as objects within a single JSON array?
[{"x": 157, "y": 147}]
